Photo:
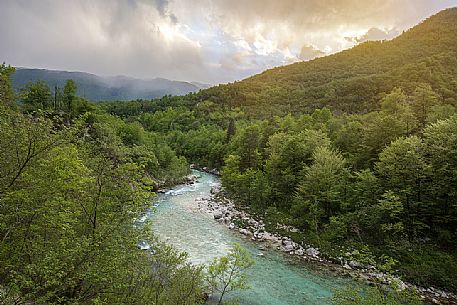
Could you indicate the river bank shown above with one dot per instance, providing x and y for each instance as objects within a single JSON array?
[
  {"x": 275, "y": 279},
  {"x": 239, "y": 221}
]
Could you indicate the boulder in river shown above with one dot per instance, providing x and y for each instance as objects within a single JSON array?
[{"x": 217, "y": 215}]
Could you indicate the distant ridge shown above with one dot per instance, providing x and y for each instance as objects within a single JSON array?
[{"x": 110, "y": 88}]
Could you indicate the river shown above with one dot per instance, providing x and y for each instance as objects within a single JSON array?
[{"x": 275, "y": 279}]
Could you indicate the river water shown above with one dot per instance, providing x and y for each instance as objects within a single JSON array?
[{"x": 275, "y": 279}]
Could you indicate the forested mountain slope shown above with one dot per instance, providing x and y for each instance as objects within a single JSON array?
[
  {"x": 354, "y": 154},
  {"x": 98, "y": 88},
  {"x": 354, "y": 80},
  {"x": 357, "y": 150}
]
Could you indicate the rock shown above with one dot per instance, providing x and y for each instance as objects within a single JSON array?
[
  {"x": 401, "y": 285},
  {"x": 288, "y": 248},
  {"x": 355, "y": 264},
  {"x": 191, "y": 179},
  {"x": 252, "y": 222},
  {"x": 214, "y": 172},
  {"x": 347, "y": 267},
  {"x": 312, "y": 252},
  {"x": 259, "y": 236},
  {"x": 285, "y": 241},
  {"x": 215, "y": 189},
  {"x": 377, "y": 276},
  {"x": 267, "y": 236},
  {"x": 299, "y": 252},
  {"x": 244, "y": 231},
  {"x": 217, "y": 215},
  {"x": 231, "y": 226}
]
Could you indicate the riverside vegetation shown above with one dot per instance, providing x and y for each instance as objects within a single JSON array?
[
  {"x": 73, "y": 180},
  {"x": 354, "y": 153}
]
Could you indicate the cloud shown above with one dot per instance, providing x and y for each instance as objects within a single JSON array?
[
  {"x": 375, "y": 34},
  {"x": 309, "y": 52},
  {"x": 137, "y": 38},
  {"x": 202, "y": 40},
  {"x": 285, "y": 27},
  {"x": 162, "y": 8}
]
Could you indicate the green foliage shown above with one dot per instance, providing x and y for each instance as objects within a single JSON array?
[
  {"x": 323, "y": 185},
  {"x": 228, "y": 273},
  {"x": 353, "y": 81},
  {"x": 390, "y": 210},
  {"x": 402, "y": 169},
  {"x": 6, "y": 90},
  {"x": 69, "y": 95},
  {"x": 375, "y": 296},
  {"x": 36, "y": 95},
  {"x": 69, "y": 194},
  {"x": 425, "y": 264},
  {"x": 358, "y": 148}
]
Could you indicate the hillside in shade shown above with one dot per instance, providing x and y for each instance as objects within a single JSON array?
[{"x": 99, "y": 88}]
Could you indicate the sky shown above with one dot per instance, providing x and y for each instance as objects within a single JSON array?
[{"x": 194, "y": 40}]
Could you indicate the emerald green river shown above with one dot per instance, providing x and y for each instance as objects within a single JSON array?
[{"x": 275, "y": 279}]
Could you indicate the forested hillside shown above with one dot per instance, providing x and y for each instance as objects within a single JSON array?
[
  {"x": 354, "y": 153},
  {"x": 356, "y": 150},
  {"x": 355, "y": 80},
  {"x": 73, "y": 181}
]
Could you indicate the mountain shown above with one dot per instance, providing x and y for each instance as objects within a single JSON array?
[
  {"x": 354, "y": 80},
  {"x": 99, "y": 88}
]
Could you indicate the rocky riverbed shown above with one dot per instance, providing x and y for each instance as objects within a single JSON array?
[{"x": 225, "y": 212}]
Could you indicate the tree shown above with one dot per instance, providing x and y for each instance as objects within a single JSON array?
[
  {"x": 424, "y": 98},
  {"x": 69, "y": 94},
  {"x": 288, "y": 155},
  {"x": 6, "y": 89},
  {"x": 322, "y": 189},
  {"x": 246, "y": 143},
  {"x": 68, "y": 197},
  {"x": 228, "y": 273},
  {"x": 440, "y": 141},
  {"x": 377, "y": 295},
  {"x": 389, "y": 210},
  {"x": 397, "y": 105},
  {"x": 379, "y": 129},
  {"x": 402, "y": 169},
  {"x": 231, "y": 130},
  {"x": 36, "y": 95},
  {"x": 165, "y": 278}
]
